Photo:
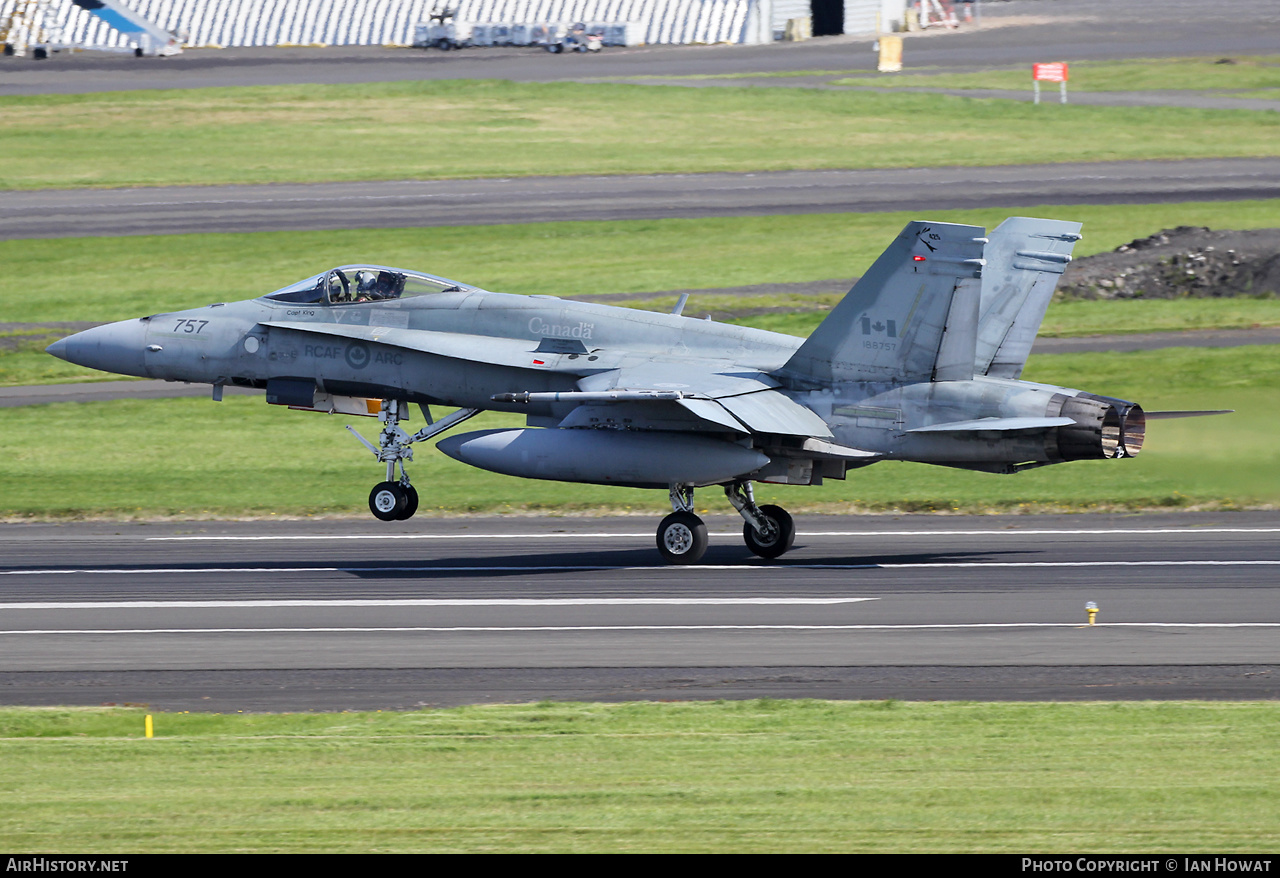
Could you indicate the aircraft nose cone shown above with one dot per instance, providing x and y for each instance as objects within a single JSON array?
[
  {"x": 113, "y": 347},
  {"x": 58, "y": 348}
]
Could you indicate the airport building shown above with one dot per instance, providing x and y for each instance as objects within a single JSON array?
[{"x": 221, "y": 23}]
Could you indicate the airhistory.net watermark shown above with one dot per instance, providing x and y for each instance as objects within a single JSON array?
[{"x": 64, "y": 864}]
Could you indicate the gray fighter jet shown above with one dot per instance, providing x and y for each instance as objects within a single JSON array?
[{"x": 920, "y": 361}]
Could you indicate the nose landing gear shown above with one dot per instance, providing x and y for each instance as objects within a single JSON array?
[{"x": 397, "y": 500}]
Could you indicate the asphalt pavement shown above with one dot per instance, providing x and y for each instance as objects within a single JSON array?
[
  {"x": 427, "y": 203},
  {"x": 345, "y": 615}
]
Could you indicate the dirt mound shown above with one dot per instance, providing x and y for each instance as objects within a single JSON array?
[{"x": 1189, "y": 261}]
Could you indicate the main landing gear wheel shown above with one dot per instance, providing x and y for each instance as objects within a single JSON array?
[
  {"x": 780, "y": 541},
  {"x": 682, "y": 538}
]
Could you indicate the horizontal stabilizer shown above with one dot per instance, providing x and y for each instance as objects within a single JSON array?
[
  {"x": 820, "y": 448},
  {"x": 1000, "y": 424}
]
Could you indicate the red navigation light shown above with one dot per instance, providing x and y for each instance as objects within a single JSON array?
[{"x": 918, "y": 258}]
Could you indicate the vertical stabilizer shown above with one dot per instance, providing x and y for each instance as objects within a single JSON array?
[
  {"x": 895, "y": 321},
  {"x": 1025, "y": 258}
]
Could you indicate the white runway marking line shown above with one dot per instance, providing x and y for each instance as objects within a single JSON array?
[
  {"x": 571, "y": 568},
  {"x": 432, "y": 602},
  {"x": 470, "y": 629},
  {"x": 647, "y": 535}
]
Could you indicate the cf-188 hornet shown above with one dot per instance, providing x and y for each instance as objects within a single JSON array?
[{"x": 920, "y": 361}]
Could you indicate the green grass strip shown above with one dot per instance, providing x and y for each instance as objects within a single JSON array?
[
  {"x": 1241, "y": 76},
  {"x": 431, "y": 130},
  {"x": 761, "y": 776}
]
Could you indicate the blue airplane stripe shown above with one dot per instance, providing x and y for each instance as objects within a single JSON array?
[{"x": 118, "y": 21}]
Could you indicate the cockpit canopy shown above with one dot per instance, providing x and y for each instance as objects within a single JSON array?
[{"x": 354, "y": 284}]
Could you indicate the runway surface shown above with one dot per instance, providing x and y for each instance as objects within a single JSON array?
[
  {"x": 427, "y": 203},
  {"x": 339, "y": 614}
]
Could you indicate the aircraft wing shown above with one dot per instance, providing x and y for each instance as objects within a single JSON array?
[
  {"x": 769, "y": 411},
  {"x": 744, "y": 400},
  {"x": 640, "y": 393},
  {"x": 683, "y": 395}
]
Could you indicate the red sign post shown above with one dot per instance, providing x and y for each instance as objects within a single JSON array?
[{"x": 1054, "y": 72}]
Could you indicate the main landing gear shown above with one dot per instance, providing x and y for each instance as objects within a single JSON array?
[
  {"x": 396, "y": 499},
  {"x": 682, "y": 537}
]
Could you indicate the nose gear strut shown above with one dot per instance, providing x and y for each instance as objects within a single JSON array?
[{"x": 396, "y": 500}]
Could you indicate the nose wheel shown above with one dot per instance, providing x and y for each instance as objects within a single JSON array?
[{"x": 392, "y": 501}]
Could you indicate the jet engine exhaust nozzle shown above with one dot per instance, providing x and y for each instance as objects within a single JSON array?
[{"x": 1105, "y": 428}]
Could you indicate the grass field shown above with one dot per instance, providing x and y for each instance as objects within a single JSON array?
[
  {"x": 208, "y": 459},
  {"x": 744, "y": 777},
  {"x": 1238, "y": 74},
  {"x": 430, "y": 130},
  {"x": 1252, "y": 75},
  {"x": 1245, "y": 77}
]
